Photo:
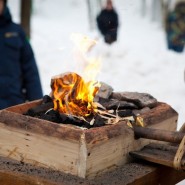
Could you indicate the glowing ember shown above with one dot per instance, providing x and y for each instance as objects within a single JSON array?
[{"x": 72, "y": 95}]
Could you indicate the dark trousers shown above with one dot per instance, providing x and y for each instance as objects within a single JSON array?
[
  {"x": 175, "y": 47},
  {"x": 110, "y": 36}
]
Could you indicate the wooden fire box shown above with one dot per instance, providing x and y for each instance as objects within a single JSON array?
[{"x": 81, "y": 152}]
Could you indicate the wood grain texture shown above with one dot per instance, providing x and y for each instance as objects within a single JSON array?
[
  {"x": 39, "y": 126},
  {"x": 11, "y": 178},
  {"x": 23, "y": 108},
  {"x": 140, "y": 173},
  {"x": 158, "y": 114},
  {"x": 159, "y": 153},
  {"x": 39, "y": 150},
  {"x": 70, "y": 149}
]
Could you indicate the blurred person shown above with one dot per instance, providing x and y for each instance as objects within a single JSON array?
[
  {"x": 175, "y": 27},
  {"x": 107, "y": 22},
  {"x": 19, "y": 76}
]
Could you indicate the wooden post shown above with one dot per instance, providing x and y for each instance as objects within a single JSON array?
[
  {"x": 160, "y": 135},
  {"x": 26, "y": 16}
]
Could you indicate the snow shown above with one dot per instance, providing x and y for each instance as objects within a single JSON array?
[{"x": 139, "y": 61}]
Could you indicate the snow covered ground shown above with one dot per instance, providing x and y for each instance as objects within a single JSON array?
[{"x": 139, "y": 61}]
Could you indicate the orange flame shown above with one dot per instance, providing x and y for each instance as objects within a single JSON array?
[
  {"x": 72, "y": 95},
  {"x": 88, "y": 66}
]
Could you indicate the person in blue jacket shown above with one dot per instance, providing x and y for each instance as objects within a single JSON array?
[
  {"x": 107, "y": 22},
  {"x": 19, "y": 76},
  {"x": 175, "y": 28}
]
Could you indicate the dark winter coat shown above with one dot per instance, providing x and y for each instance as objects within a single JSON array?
[
  {"x": 175, "y": 28},
  {"x": 107, "y": 22},
  {"x": 19, "y": 77}
]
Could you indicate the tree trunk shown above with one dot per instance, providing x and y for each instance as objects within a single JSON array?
[
  {"x": 100, "y": 3},
  {"x": 90, "y": 14},
  {"x": 143, "y": 8},
  {"x": 94, "y": 7},
  {"x": 26, "y": 16},
  {"x": 155, "y": 10}
]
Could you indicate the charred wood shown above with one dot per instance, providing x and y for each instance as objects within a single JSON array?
[
  {"x": 99, "y": 121},
  {"x": 125, "y": 113},
  {"x": 39, "y": 110},
  {"x": 116, "y": 104},
  {"x": 141, "y": 111},
  {"x": 104, "y": 91},
  {"x": 140, "y": 99},
  {"x": 54, "y": 116},
  {"x": 46, "y": 99}
]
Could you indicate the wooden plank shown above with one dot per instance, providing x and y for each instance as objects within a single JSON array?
[
  {"x": 159, "y": 135},
  {"x": 96, "y": 150},
  {"x": 158, "y": 153},
  {"x": 162, "y": 116},
  {"x": 106, "y": 156},
  {"x": 114, "y": 151},
  {"x": 38, "y": 150},
  {"x": 129, "y": 174},
  {"x": 42, "y": 127},
  {"x": 24, "y": 107},
  {"x": 158, "y": 114},
  {"x": 11, "y": 178},
  {"x": 109, "y": 146}
]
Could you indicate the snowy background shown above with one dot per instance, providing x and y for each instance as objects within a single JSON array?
[{"x": 139, "y": 61}]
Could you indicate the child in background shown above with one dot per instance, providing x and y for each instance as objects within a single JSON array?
[
  {"x": 175, "y": 28},
  {"x": 107, "y": 22}
]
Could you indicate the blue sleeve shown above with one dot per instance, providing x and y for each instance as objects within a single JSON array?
[{"x": 30, "y": 74}]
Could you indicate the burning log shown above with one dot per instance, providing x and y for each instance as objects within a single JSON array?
[
  {"x": 104, "y": 92},
  {"x": 82, "y": 101},
  {"x": 72, "y": 95},
  {"x": 55, "y": 116}
]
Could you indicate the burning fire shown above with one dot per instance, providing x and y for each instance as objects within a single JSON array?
[{"x": 72, "y": 95}]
